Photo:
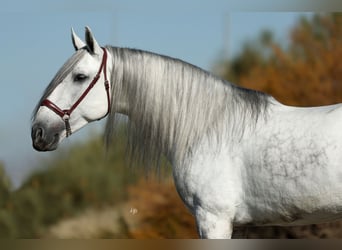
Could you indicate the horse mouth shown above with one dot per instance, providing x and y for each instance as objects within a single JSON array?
[
  {"x": 43, "y": 142},
  {"x": 41, "y": 145}
]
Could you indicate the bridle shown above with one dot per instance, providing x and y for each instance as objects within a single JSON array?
[{"x": 66, "y": 113}]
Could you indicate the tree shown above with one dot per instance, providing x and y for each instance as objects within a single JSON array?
[
  {"x": 307, "y": 73},
  {"x": 5, "y": 185}
]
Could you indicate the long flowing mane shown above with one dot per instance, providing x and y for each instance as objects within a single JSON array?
[{"x": 174, "y": 104}]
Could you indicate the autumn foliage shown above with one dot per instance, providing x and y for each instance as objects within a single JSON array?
[
  {"x": 306, "y": 73},
  {"x": 160, "y": 213}
]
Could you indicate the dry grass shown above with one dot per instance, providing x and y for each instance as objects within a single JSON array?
[{"x": 153, "y": 210}]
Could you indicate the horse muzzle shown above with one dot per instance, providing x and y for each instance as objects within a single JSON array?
[{"x": 43, "y": 139}]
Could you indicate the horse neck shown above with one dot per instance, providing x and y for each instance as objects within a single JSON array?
[{"x": 171, "y": 104}]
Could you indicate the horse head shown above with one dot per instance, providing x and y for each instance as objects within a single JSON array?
[{"x": 77, "y": 95}]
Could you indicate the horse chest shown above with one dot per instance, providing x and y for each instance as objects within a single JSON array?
[{"x": 210, "y": 179}]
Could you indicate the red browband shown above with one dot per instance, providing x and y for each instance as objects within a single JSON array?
[{"x": 65, "y": 114}]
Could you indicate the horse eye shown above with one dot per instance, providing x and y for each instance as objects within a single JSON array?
[{"x": 80, "y": 77}]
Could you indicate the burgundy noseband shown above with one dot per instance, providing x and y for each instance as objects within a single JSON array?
[{"x": 65, "y": 113}]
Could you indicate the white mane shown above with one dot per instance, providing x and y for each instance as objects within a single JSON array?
[{"x": 173, "y": 104}]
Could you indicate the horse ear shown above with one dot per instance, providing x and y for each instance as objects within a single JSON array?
[
  {"x": 76, "y": 41},
  {"x": 92, "y": 44}
]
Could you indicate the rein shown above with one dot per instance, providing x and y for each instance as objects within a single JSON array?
[{"x": 66, "y": 113}]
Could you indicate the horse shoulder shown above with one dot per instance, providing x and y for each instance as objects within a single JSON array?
[{"x": 210, "y": 181}]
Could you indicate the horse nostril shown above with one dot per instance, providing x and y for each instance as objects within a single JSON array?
[{"x": 37, "y": 133}]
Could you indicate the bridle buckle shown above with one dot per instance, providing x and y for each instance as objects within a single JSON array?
[{"x": 66, "y": 118}]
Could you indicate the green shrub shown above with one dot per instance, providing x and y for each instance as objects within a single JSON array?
[
  {"x": 8, "y": 225},
  {"x": 28, "y": 209},
  {"x": 80, "y": 177}
]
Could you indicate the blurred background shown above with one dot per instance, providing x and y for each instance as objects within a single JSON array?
[{"x": 79, "y": 191}]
